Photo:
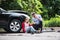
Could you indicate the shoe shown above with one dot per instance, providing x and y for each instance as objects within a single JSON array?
[
  {"x": 40, "y": 31},
  {"x": 32, "y": 32},
  {"x": 36, "y": 32}
]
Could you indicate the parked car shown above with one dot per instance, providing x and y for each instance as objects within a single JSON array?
[{"x": 11, "y": 20}]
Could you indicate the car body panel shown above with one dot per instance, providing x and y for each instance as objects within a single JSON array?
[{"x": 5, "y": 17}]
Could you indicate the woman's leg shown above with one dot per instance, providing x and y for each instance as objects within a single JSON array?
[
  {"x": 32, "y": 29},
  {"x": 27, "y": 30}
]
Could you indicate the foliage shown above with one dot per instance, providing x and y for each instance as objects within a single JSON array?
[
  {"x": 53, "y": 7},
  {"x": 30, "y": 5},
  {"x": 9, "y": 4},
  {"x": 53, "y": 22},
  {"x": 26, "y": 5}
]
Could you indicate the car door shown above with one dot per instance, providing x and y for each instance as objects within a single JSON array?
[{"x": 3, "y": 19}]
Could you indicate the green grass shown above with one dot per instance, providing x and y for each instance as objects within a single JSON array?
[{"x": 53, "y": 22}]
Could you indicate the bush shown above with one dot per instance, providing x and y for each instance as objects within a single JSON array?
[{"x": 53, "y": 22}]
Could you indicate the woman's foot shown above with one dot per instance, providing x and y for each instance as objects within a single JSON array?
[
  {"x": 32, "y": 32},
  {"x": 38, "y": 31}
]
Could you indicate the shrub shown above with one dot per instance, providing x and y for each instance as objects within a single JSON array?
[{"x": 53, "y": 22}]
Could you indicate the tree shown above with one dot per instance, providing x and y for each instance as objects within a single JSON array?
[
  {"x": 9, "y": 4},
  {"x": 26, "y": 5},
  {"x": 30, "y": 5},
  {"x": 53, "y": 7}
]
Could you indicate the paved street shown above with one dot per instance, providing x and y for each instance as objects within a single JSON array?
[
  {"x": 25, "y": 36},
  {"x": 47, "y": 34}
]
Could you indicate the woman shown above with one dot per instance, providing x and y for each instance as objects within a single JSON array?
[{"x": 27, "y": 27}]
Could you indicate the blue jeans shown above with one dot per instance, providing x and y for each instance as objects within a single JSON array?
[{"x": 30, "y": 29}]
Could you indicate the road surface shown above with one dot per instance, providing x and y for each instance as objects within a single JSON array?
[{"x": 28, "y": 36}]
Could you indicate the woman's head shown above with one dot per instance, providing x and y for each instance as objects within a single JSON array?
[{"x": 26, "y": 19}]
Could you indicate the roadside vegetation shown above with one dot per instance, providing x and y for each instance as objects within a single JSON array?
[{"x": 53, "y": 22}]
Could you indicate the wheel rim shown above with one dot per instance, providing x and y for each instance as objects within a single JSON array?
[{"x": 14, "y": 26}]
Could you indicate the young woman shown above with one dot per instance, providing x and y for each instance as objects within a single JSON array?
[{"x": 27, "y": 27}]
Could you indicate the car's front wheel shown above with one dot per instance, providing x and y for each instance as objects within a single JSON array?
[{"x": 14, "y": 26}]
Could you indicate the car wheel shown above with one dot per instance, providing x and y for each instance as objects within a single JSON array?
[{"x": 14, "y": 26}]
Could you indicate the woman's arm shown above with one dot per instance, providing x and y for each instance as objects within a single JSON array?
[
  {"x": 23, "y": 27},
  {"x": 31, "y": 24}
]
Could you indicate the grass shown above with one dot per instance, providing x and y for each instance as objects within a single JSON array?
[{"x": 53, "y": 22}]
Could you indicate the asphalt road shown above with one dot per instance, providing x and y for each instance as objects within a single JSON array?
[
  {"x": 47, "y": 34},
  {"x": 28, "y": 36}
]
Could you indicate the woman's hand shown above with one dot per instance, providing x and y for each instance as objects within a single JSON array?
[{"x": 33, "y": 22}]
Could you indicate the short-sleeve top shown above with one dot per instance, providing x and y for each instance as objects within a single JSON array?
[{"x": 36, "y": 20}]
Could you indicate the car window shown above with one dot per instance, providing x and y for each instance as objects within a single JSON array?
[{"x": 2, "y": 10}]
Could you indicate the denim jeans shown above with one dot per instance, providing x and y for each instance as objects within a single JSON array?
[{"x": 30, "y": 29}]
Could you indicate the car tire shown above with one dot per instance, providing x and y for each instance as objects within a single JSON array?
[{"x": 14, "y": 26}]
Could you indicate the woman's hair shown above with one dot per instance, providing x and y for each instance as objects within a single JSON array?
[{"x": 24, "y": 18}]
